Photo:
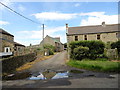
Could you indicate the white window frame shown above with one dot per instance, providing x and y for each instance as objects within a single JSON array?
[{"x": 5, "y": 49}]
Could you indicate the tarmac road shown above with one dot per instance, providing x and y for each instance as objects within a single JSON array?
[{"x": 57, "y": 63}]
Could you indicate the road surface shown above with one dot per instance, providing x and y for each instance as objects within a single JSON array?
[{"x": 57, "y": 63}]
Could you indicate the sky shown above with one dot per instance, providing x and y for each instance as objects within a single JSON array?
[{"x": 54, "y": 15}]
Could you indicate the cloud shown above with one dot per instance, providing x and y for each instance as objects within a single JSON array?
[
  {"x": 3, "y": 23},
  {"x": 90, "y": 18},
  {"x": 35, "y": 36},
  {"x": 77, "y": 5},
  {"x": 21, "y": 8},
  {"x": 6, "y": 2},
  {"x": 96, "y": 18},
  {"x": 54, "y": 16},
  {"x": 96, "y": 14}
]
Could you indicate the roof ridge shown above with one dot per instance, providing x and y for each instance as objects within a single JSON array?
[{"x": 94, "y": 25}]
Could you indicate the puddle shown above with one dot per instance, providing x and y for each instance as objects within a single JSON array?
[
  {"x": 54, "y": 74},
  {"x": 46, "y": 75},
  {"x": 49, "y": 74}
]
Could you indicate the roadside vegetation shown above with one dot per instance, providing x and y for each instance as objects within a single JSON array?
[
  {"x": 96, "y": 65},
  {"x": 91, "y": 55},
  {"x": 50, "y": 48}
]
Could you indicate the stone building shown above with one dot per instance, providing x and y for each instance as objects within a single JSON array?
[
  {"x": 104, "y": 32},
  {"x": 7, "y": 45},
  {"x": 53, "y": 41},
  {"x": 19, "y": 49}
]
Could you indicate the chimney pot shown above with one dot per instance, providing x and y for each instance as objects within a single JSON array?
[
  {"x": 66, "y": 28},
  {"x": 103, "y": 24}
]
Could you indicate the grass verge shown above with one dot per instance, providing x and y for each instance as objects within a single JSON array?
[{"x": 104, "y": 66}]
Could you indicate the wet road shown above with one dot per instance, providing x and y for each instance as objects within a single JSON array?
[{"x": 88, "y": 79}]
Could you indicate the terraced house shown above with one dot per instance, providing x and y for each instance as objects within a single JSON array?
[
  {"x": 7, "y": 45},
  {"x": 103, "y": 32}
]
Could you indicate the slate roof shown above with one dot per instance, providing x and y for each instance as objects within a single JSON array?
[
  {"x": 18, "y": 44},
  {"x": 54, "y": 39},
  {"x": 93, "y": 29},
  {"x": 4, "y": 32}
]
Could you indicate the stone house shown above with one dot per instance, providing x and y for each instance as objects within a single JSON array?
[
  {"x": 19, "y": 49},
  {"x": 104, "y": 32},
  {"x": 7, "y": 45},
  {"x": 53, "y": 41}
]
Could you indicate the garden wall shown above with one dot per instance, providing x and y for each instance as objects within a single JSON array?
[{"x": 10, "y": 64}]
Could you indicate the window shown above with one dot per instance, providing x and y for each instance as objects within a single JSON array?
[
  {"x": 98, "y": 36},
  {"x": 7, "y": 49},
  {"x": 76, "y": 38},
  {"x": 85, "y": 37},
  {"x": 116, "y": 34}
]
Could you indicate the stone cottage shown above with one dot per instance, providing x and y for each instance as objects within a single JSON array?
[
  {"x": 53, "y": 41},
  {"x": 104, "y": 32},
  {"x": 7, "y": 45},
  {"x": 19, "y": 49}
]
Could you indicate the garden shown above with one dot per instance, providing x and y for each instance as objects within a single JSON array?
[{"x": 95, "y": 55}]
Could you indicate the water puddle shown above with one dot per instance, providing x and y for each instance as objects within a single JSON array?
[
  {"x": 49, "y": 74},
  {"x": 46, "y": 75}
]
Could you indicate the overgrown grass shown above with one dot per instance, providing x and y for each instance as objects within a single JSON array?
[{"x": 104, "y": 66}]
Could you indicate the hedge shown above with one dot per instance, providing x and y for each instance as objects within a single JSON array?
[
  {"x": 96, "y": 48},
  {"x": 80, "y": 52},
  {"x": 116, "y": 45},
  {"x": 10, "y": 64}
]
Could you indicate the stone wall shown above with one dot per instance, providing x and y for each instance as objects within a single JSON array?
[
  {"x": 7, "y": 37},
  {"x": 7, "y": 41},
  {"x": 105, "y": 37},
  {"x": 19, "y": 50},
  {"x": 10, "y": 64},
  {"x": 7, "y": 44}
]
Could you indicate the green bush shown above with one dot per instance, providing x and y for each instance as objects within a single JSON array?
[
  {"x": 80, "y": 52},
  {"x": 50, "y": 48},
  {"x": 116, "y": 45},
  {"x": 96, "y": 48},
  {"x": 51, "y": 52}
]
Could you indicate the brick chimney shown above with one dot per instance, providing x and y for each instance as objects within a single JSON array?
[
  {"x": 66, "y": 28},
  {"x": 103, "y": 24}
]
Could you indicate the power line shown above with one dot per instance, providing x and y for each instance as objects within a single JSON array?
[{"x": 19, "y": 13}]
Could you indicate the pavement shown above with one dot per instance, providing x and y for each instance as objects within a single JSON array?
[{"x": 88, "y": 79}]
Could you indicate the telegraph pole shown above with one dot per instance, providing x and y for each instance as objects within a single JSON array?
[{"x": 43, "y": 36}]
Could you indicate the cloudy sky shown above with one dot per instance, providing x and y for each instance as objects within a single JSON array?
[{"x": 54, "y": 15}]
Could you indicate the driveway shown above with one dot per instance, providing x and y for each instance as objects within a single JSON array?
[{"x": 88, "y": 79}]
